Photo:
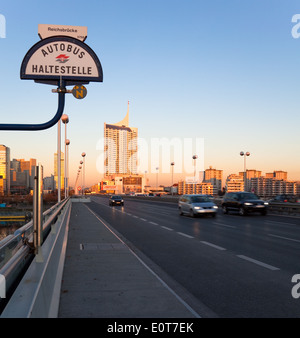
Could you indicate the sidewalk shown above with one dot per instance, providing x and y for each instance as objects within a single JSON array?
[{"x": 102, "y": 278}]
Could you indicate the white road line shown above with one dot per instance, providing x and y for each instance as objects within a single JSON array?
[
  {"x": 224, "y": 225},
  {"x": 143, "y": 219},
  {"x": 134, "y": 216},
  {"x": 289, "y": 239},
  {"x": 267, "y": 266},
  {"x": 185, "y": 235},
  {"x": 213, "y": 245},
  {"x": 129, "y": 214},
  {"x": 167, "y": 228},
  {"x": 153, "y": 223},
  {"x": 280, "y": 223}
]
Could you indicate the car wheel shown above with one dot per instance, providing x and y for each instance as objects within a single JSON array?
[
  {"x": 264, "y": 213},
  {"x": 180, "y": 212},
  {"x": 214, "y": 214},
  {"x": 242, "y": 211},
  {"x": 192, "y": 213},
  {"x": 225, "y": 210}
]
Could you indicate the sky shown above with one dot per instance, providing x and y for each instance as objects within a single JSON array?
[{"x": 214, "y": 77}]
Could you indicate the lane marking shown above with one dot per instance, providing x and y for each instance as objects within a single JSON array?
[
  {"x": 213, "y": 245},
  {"x": 166, "y": 228},
  {"x": 284, "y": 223},
  {"x": 143, "y": 219},
  {"x": 185, "y": 235},
  {"x": 289, "y": 239},
  {"x": 153, "y": 223},
  {"x": 267, "y": 266},
  {"x": 225, "y": 225}
]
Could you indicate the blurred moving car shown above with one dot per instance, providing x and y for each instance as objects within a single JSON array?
[
  {"x": 116, "y": 200},
  {"x": 194, "y": 205},
  {"x": 244, "y": 203},
  {"x": 285, "y": 198}
]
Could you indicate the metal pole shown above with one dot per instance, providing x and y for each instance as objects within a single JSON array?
[
  {"x": 65, "y": 178},
  {"x": 58, "y": 162},
  {"x": 37, "y": 209},
  {"x": 245, "y": 175}
]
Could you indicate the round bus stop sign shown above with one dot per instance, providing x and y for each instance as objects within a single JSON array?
[
  {"x": 79, "y": 188},
  {"x": 79, "y": 92}
]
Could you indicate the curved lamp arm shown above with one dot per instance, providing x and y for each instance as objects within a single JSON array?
[{"x": 42, "y": 126}]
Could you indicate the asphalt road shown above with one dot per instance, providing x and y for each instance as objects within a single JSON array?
[{"x": 228, "y": 266}]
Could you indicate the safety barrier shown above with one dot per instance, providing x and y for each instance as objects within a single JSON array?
[{"x": 17, "y": 254}]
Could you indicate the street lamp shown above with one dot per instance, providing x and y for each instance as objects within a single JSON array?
[
  {"x": 65, "y": 121},
  {"x": 172, "y": 167},
  {"x": 245, "y": 155},
  {"x": 157, "y": 178},
  {"x": 81, "y": 162},
  {"x": 195, "y": 158},
  {"x": 67, "y": 171},
  {"x": 83, "y": 156}
]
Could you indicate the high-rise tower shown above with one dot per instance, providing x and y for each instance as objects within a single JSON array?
[{"x": 120, "y": 147}]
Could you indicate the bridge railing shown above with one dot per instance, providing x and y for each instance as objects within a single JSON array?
[{"x": 16, "y": 251}]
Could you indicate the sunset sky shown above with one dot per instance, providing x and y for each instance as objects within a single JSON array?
[{"x": 223, "y": 72}]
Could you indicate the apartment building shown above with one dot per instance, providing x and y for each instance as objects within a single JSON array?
[
  {"x": 234, "y": 183},
  {"x": 206, "y": 188},
  {"x": 215, "y": 177},
  {"x": 4, "y": 170}
]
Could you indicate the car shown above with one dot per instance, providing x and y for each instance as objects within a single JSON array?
[
  {"x": 244, "y": 203},
  {"x": 116, "y": 200},
  {"x": 285, "y": 198},
  {"x": 195, "y": 205}
]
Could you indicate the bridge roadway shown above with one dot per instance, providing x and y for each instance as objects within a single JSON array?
[{"x": 144, "y": 260}]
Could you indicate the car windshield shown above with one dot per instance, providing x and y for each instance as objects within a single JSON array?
[
  {"x": 248, "y": 196},
  {"x": 116, "y": 197},
  {"x": 200, "y": 199}
]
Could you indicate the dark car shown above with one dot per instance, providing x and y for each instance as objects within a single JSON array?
[
  {"x": 116, "y": 200},
  {"x": 244, "y": 203}
]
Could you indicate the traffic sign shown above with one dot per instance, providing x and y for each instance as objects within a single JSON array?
[
  {"x": 78, "y": 32},
  {"x": 61, "y": 58},
  {"x": 79, "y": 188},
  {"x": 79, "y": 92}
]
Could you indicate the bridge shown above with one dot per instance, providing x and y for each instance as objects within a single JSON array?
[{"x": 144, "y": 260}]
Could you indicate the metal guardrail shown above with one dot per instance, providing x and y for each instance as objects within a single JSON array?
[
  {"x": 16, "y": 252},
  {"x": 274, "y": 207},
  {"x": 285, "y": 208}
]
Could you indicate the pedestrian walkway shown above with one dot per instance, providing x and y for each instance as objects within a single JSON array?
[{"x": 103, "y": 278}]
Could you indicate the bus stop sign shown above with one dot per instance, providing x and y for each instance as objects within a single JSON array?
[{"x": 61, "y": 58}]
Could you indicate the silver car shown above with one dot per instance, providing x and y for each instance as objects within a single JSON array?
[{"x": 194, "y": 205}]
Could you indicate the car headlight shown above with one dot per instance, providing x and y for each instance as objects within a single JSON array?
[
  {"x": 197, "y": 208},
  {"x": 215, "y": 207},
  {"x": 266, "y": 203},
  {"x": 247, "y": 203}
]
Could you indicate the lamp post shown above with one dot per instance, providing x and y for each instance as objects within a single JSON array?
[
  {"x": 81, "y": 162},
  {"x": 172, "y": 168},
  {"x": 83, "y": 174},
  {"x": 67, "y": 171},
  {"x": 245, "y": 175},
  {"x": 58, "y": 164},
  {"x": 65, "y": 121},
  {"x": 195, "y": 158},
  {"x": 157, "y": 168}
]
